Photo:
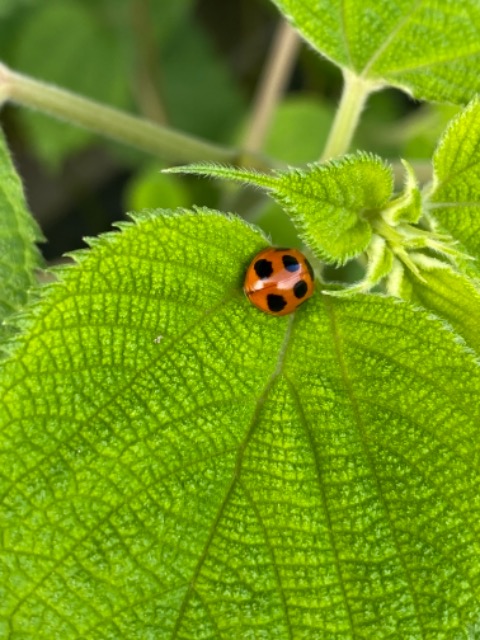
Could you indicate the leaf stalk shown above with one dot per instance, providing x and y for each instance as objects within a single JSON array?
[{"x": 355, "y": 93}]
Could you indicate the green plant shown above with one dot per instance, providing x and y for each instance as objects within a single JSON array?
[{"x": 176, "y": 464}]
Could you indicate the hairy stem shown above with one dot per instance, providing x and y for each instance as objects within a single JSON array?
[
  {"x": 275, "y": 76},
  {"x": 147, "y": 136},
  {"x": 355, "y": 93}
]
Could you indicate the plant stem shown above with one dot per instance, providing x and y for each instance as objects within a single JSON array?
[
  {"x": 147, "y": 76},
  {"x": 355, "y": 93},
  {"x": 147, "y": 136},
  {"x": 275, "y": 76}
]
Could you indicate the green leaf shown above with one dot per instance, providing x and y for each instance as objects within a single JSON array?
[
  {"x": 454, "y": 199},
  {"x": 449, "y": 294},
  {"x": 330, "y": 203},
  {"x": 430, "y": 48},
  {"x": 177, "y": 464},
  {"x": 18, "y": 234}
]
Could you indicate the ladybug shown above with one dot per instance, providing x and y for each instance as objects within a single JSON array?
[{"x": 278, "y": 280}]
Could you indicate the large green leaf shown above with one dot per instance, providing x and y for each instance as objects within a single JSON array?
[
  {"x": 430, "y": 48},
  {"x": 18, "y": 234},
  {"x": 177, "y": 464},
  {"x": 454, "y": 199}
]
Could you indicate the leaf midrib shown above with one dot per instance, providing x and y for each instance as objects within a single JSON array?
[
  {"x": 310, "y": 438},
  {"x": 389, "y": 39},
  {"x": 236, "y": 479}
]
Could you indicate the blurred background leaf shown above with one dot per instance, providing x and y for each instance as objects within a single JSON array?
[{"x": 194, "y": 64}]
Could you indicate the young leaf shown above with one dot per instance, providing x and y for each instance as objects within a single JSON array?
[
  {"x": 177, "y": 464},
  {"x": 449, "y": 294},
  {"x": 18, "y": 234},
  {"x": 455, "y": 195},
  {"x": 329, "y": 203},
  {"x": 431, "y": 48}
]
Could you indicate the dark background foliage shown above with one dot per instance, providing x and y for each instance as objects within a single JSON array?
[{"x": 191, "y": 64}]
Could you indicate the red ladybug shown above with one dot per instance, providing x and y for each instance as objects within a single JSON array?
[{"x": 279, "y": 280}]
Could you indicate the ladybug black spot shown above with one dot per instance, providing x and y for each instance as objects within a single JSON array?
[
  {"x": 276, "y": 303},
  {"x": 290, "y": 263},
  {"x": 263, "y": 268},
  {"x": 300, "y": 289}
]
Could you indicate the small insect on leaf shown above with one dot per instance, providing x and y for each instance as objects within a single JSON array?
[{"x": 279, "y": 280}]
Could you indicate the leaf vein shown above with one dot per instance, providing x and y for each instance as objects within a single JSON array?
[
  {"x": 236, "y": 472},
  {"x": 316, "y": 460},
  {"x": 269, "y": 546},
  {"x": 337, "y": 340}
]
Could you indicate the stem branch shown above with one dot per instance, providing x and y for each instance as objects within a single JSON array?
[{"x": 147, "y": 136}]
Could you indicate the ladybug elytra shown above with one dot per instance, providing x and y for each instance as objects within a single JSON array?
[{"x": 279, "y": 280}]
